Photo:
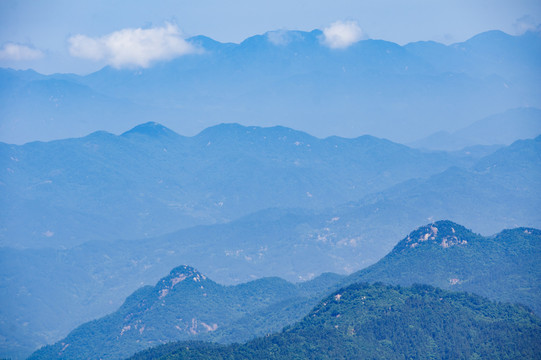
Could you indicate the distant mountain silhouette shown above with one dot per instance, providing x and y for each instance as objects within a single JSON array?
[
  {"x": 373, "y": 87},
  {"x": 502, "y": 129},
  {"x": 150, "y": 181}
]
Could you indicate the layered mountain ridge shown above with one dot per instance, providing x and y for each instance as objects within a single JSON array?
[
  {"x": 293, "y": 243},
  {"x": 503, "y": 129},
  {"x": 187, "y": 305},
  {"x": 89, "y": 219},
  {"x": 150, "y": 180},
  {"x": 376, "y": 87}
]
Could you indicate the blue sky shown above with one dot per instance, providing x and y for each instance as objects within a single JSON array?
[{"x": 39, "y": 34}]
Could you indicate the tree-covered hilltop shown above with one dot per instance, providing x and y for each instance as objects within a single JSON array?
[
  {"x": 186, "y": 305},
  {"x": 387, "y": 322},
  {"x": 503, "y": 267}
]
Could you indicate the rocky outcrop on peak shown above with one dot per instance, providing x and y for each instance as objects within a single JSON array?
[
  {"x": 186, "y": 305},
  {"x": 502, "y": 267},
  {"x": 443, "y": 233}
]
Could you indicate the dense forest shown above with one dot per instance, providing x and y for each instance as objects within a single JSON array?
[{"x": 387, "y": 322}]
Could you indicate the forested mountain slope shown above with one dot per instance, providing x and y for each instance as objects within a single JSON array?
[
  {"x": 385, "y": 322},
  {"x": 188, "y": 305},
  {"x": 503, "y": 267}
]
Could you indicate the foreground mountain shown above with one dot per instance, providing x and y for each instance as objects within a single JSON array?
[
  {"x": 383, "y": 322},
  {"x": 373, "y": 87},
  {"x": 187, "y": 305},
  {"x": 150, "y": 180},
  {"x": 502, "y": 267}
]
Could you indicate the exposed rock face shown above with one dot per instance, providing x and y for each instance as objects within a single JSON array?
[
  {"x": 176, "y": 276},
  {"x": 444, "y": 233}
]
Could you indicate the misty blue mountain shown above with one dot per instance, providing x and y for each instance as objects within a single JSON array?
[
  {"x": 285, "y": 171},
  {"x": 105, "y": 184},
  {"x": 403, "y": 93},
  {"x": 150, "y": 181},
  {"x": 503, "y": 128}
]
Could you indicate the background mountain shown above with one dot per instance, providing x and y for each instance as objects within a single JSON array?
[
  {"x": 150, "y": 181},
  {"x": 445, "y": 254},
  {"x": 376, "y": 87},
  {"x": 505, "y": 183},
  {"x": 504, "y": 128},
  {"x": 383, "y": 322},
  {"x": 33, "y": 103}
]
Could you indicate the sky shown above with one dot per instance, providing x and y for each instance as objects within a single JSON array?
[{"x": 62, "y": 36}]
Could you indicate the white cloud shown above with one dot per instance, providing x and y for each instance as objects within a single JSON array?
[
  {"x": 341, "y": 34},
  {"x": 526, "y": 23},
  {"x": 12, "y": 51},
  {"x": 132, "y": 47}
]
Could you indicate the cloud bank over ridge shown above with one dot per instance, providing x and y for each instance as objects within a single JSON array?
[
  {"x": 132, "y": 47},
  {"x": 342, "y": 34},
  {"x": 526, "y": 23},
  {"x": 18, "y": 52}
]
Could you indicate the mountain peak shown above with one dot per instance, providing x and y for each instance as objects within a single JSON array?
[
  {"x": 151, "y": 128},
  {"x": 235, "y": 130},
  {"x": 183, "y": 271},
  {"x": 207, "y": 43},
  {"x": 180, "y": 275},
  {"x": 224, "y": 128},
  {"x": 444, "y": 233}
]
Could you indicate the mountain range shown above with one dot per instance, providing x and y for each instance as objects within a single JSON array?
[
  {"x": 71, "y": 185},
  {"x": 277, "y": 218},
  {"x": 402, "y": 93},
  {"x": 151, "y": 181},
  {"x": 186, "y": 305}
]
